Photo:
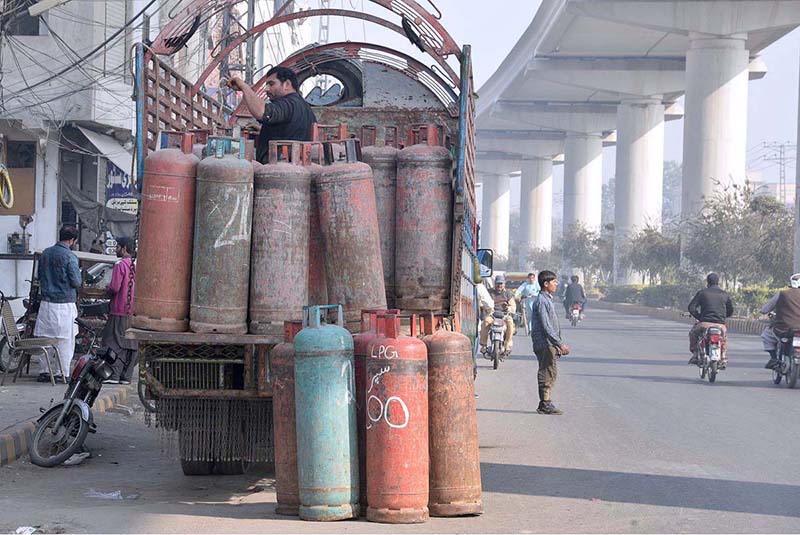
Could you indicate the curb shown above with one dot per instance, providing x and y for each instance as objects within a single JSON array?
[
  {"x": 14, "y": 440},
  {"x": 735, "y": 325}
]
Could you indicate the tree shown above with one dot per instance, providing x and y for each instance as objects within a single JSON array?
[
  {"x": 654, "y": 253},
  {"x": 673, "y": 183},
  {"x": 609, "y": 190}
]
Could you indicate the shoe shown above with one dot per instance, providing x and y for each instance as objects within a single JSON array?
[
  {"x": 549, "y": 408},
  {"x": 693, "y": 360},
  {"x": 124, "y": 382},
  {"x": 771, "y": 364},
  {"x": 111, "y": 382},
  {"x": 43, "y": 378},
  {"x": 77, "y": 458}
]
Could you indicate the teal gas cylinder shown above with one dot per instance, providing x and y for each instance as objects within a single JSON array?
[{"x": 327, "y": 454}]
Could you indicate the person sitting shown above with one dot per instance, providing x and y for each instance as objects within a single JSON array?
[
  {"x": 574, "y": 294},
  {"x": 505, "y": 299},
  {"x": 710, "y": 307},
  {"x": 787, "y": 314}
]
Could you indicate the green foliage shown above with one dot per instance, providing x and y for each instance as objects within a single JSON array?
[
  {"x": 622, "y": 294},
  {"x": 654, "y": 253},
  {"x": 675, "y": 296},
  {"x": 748, "y": 301},
  {"x": 589, "y": 251},
  {"x": 673, "y": 182}
]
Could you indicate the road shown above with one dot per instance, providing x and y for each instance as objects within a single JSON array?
[{"x": 643, "y": 446}]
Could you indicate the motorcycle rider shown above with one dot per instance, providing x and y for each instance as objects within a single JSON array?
[
  {"x": 787, "y": 315},
  {"x": 505, "y": 297},
  {"x": 710, "y": 307},
  {"x": 574, "y": 294},
  {"x": 527, "y": 293}
]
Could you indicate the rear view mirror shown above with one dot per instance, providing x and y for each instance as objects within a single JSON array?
[{"x": 486, "y": 262}]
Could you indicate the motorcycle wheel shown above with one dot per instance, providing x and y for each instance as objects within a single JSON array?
[
  {"x": 777, "y": 375},
  {"x": 496, "y": 354},
  {"x": 48, "y": 450},
  {"x": 703, "y": 371},
  {"x": 147, "y": 401},
  {"x": 574, "y": 321},
  {"x": 5, "y": 357},
  {"x": 712, "y": 372},
  {"x": 791, "y": 376},
  {"x": 197, "y": 468}
]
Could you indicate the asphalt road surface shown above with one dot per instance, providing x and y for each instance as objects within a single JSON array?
[{"x": 644, "y": 446}]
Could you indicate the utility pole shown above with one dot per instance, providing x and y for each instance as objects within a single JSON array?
[
  {"x": 250, "y": 63},
  {"x": 323, "y": 38},
  {"x": 779, "y": 156},
  {"x": 224, "y": 65}
]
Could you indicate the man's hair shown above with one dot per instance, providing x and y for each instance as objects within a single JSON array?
[
  {"x": 67, "y": 232},
  {"x": 126, "y": 243},
  {"x": 546, "y": 276},
  {"x": 712, "y": 279},
  {"x": 574, "y": 278},
  {"x": 283, "y": 74},
  {"x": 531, "y": 274}
]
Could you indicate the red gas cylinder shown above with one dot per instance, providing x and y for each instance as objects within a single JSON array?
[
  {"x": 383, "y": 161},
  {"x": 283, "y": 421},
  {"x": 166, "y": 229},
  {"x": 397, "y": 425},
  {"x": 455, "y": 471},
  {"x": 424, "y": 221},
  {"x": 279, "y": 257},
  {"x": 349, "y": 223},
  {"x": 361, "y": 346}
]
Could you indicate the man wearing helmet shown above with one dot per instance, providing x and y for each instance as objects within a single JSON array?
[
  {"x": 786, "y": 305},
  {"x": 502, "y": 298}
]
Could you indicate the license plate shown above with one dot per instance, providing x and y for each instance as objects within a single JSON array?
[
  {"x": 795, "y": 342},
  {"x": 716, "y": 354}
]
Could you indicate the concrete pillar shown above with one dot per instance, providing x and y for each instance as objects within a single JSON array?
[
  {"x": 639, "y": 176},
  {"x": 583, "y": 180},
  {"x": 496, "y": 214},
  {"x": 536, "y": 204},
  {"x": 715, "y": 127}
]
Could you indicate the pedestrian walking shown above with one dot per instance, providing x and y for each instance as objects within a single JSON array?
[
  {"x": 547, "y": 342},
  {"x": 120, "y": 312},
  {"x": 59, "y": 280}
]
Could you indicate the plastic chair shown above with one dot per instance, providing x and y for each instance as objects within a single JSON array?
[{"x": 25, "y": 347}]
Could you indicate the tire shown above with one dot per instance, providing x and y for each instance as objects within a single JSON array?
[
  {"x": 712, "y": 372},
  {"x": 777, "y": 376},
  {"x": 496, "y": 354},
  {"x": 197, "y": 468},
  {"x": 703, "y": 370},
  {"x": 573, "y": 321},
  {"x": 231, "y": 468},
  {"x": 77, "y": 429},
  {"x": 791, "y": 377},
  {"x": 148, "y": 403},
  {"x": 5, "y": 357}
]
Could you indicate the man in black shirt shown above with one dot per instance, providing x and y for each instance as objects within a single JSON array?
[
  {"x": 286, "y": 117},
  {"x": 710, "y": 307}
]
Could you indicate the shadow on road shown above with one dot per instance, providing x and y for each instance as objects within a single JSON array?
[
  {"x": 666, "y": 491},
  {"x": 653, "y": 362}
]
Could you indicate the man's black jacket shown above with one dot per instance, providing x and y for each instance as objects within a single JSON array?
[{"x": 711, "y": 305}]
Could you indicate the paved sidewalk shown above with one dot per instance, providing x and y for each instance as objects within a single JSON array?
[{"x": 19, "y": 408}]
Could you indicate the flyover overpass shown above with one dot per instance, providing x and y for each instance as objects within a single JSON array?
[{"x": 585, "y": 70}]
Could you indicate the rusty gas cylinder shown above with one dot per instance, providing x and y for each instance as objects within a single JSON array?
[
  {"x": 164, "y": 263},
  {"x": 283, "y": 421},
  {"x": 424, "y": 221},
  {"x": 223, "y": 218},
  {"x": 279, "y": 257},
  {"x": 349, "y": 223},
  {"x": 397, "y": 425},
  {"x": 383, "y": 161},
  {"x": 455, "y": 471},
  {"x": 361, "y": 346}
]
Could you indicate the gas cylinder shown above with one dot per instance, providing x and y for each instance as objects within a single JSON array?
[
  {"x": 327, "y": 451},
  {"x": 383, "y": 161},
  {"x": 164, "y": 264},
  {"x": 361, "y": 346},
  {"x": 349, "y": 223},
  {"x": 200, "y": 141},
  {"x": 397, "y": 425},
  {"x": 283, "y": 421},
  {"x": 279, "y": 258},
  {"x": 221, "y": 264},
  {"x": 455, "y": 471},
  {"x": 317, "y": 283},
  {"x": 424, "y": 221}
]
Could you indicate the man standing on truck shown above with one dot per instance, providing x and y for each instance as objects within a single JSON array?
[{"x": 287, "y": 116}]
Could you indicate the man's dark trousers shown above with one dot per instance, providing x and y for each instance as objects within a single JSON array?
[{"x": 548, "y": 371}]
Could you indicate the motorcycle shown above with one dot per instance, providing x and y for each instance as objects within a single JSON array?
[
  {"x": 709, "y": 353},
  {"x": 575, "y": 314},
  {"x": 788, "y": 360},
  {"x": 496, "y": 349},
  {"x": 62, "y": 429}
]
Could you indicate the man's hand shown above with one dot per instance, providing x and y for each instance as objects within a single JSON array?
[
  {"x": 563, "y": 349},
  {"x": 236, "y": 83}
]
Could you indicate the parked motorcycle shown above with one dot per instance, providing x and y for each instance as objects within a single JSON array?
[
  {"x": 575, "y": 314},
  {"x": 62, "y": 429},
  {"x": 788, "y": 360},
  {"x": 709, "y": 353}
]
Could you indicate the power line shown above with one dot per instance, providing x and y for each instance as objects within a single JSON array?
[{"x": 779, "y": 155}]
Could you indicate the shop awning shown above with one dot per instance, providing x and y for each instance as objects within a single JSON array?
[{"x": 109, "y": 148}]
